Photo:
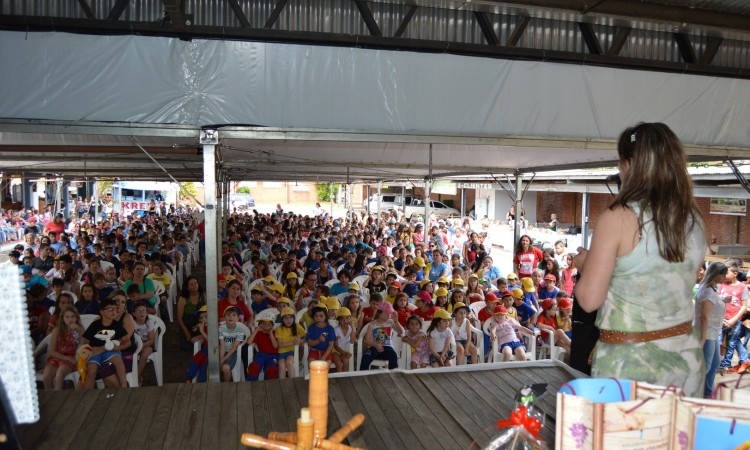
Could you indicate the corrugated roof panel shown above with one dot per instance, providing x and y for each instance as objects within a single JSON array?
[{"x": 732, "y": 6}]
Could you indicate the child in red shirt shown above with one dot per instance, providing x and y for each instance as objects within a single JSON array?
[{"x": 266, "y": 354}]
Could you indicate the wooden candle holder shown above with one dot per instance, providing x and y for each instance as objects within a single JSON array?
[{"x": 312, "y": 425}]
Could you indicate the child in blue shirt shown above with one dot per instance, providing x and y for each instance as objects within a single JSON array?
[{"x": 320, "y": 336}]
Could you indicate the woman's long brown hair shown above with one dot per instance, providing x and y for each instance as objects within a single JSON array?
[{"x": 658, "y": 179}]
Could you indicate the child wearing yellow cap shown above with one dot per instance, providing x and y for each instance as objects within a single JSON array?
[
  {"x": 266, "y": 355},
  {"x": 344, "y": 334},
  {"x": 440, "y": 340},
  {"x": 288, "y": 334}
]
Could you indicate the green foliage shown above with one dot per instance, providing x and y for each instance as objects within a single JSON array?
[
  {"x": 243, "y": 190},
  {"x": 103, "y": 185},
  {"x": 324, "y": 191},
  {"x": 188, "y": 189}
]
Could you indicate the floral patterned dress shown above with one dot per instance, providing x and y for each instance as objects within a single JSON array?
[{"x": 647, "y": 293}]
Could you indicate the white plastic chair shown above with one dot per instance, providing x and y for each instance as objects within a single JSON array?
[
  {"x": 330, "y": 283},
  {"x": 132, "y": 376},
  {"x": 548, "y": 349},
  {"x": 360, "y": 280},
  {"x": 159, "y": 289},
  {"x": 156, "y": 357},
  {"x": 398, "y": 346},
  {"x": 106, "y": 265},
  {"x": 528, "y": 339},
  {"x": 476, "y": 307},
  {"x": 87, "y": 319},
  {"x": 298, "y": 317},
  {"x": 72, "y": 295},
  {"x": 268, "y": 313}
]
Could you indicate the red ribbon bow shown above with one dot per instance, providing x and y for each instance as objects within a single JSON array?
[{"x": 520, "y": 417}]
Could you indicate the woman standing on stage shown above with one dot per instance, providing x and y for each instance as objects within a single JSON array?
[{"x": 641, "y": 268}]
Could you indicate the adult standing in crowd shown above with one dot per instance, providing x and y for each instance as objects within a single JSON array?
[{"x": 651, "y": 235}]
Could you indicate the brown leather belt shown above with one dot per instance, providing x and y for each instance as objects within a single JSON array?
[{"x": 635, "y": 337}]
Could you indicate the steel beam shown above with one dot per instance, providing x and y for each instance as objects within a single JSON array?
[
  {"x": 280, "y": 4},
  {"x": 87, "y": 26},
  {"x": 367, "y": 17},
  {"x": 589, "y": 37},
  {"x": 485, "y": 25},
  {"x": 686, "y": 47},
  {"x": 712, "y": 47},
  {"x": 619, "y": 41},
  {"x": 237, "y": 9},
  {"x": 405, "y": 21}
]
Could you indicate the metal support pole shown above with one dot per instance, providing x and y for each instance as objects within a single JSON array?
[
  {"x": 380, "y": 188},
  {"x": 209, "y": 139},
  {"x": 519, "y": 199},
  {"x": 585, "y": 221},
  {"x": 58, "y": 195},
  {"x": 463, "y": 202},
  {"x": 368, "y": 200},
  {"x": 330, "y": 196},
  {"x": 427, "y": 205},
  {"x": 226, "y": 210},
  {"x": 403, "y": 199},
  {"x": 96, "y": 202}
]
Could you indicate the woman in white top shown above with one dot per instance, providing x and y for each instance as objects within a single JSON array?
[{"x": 709, "y": 315}]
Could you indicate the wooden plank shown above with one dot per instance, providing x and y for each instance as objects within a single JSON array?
[
  {"x": 115, "y": 401},
  {"x": 291, "y": 403},
  {"x": 397, "y": 408},
  {"x": 127, "y": 424},
  {"x": 155, "y": 419},
  {"x": 432, "y": 416},
  {"x": 468, "y": 420},
  {"x": 370, "y": 429},
  {"x": 174, "y": 428},
  {"x": 37, "y": 432},
  {"x": 229, "y": 431},
  {"x": 145, "y": 417},
  {"x": 211, "y": 421},
  {"x": 374, "y": 412},
  {"x": 341, "y": 409},
  {"x": 245, "y": 414},
  {"x": 62, "y": 430},
  {"x": 260, "y": 405},
  {"x": 275, "y": 408},
  {"x": 192, "y": 429},
  {"x": 92, "y": 420},
  {"x": 479, "y": 396}
]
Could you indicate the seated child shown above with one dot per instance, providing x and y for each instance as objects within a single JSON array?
[
  {"x": 526, "y": 313},
  {"x": 565, "y": 307},
  {"x": 101, "y": 354},
  {"x": 550, "y": 290},
  {"x": 231, "y": 334},
  {"x": 320, "y": 336},
  {"x": 62, "y": 347},
  {"x": 200, "y": 359},
  {"x": 259, "y": 302},
  {"x": 87, "y": 302},
  {"x": 100, "y": 284},
  {"x": 417, "y": 339},
  {"x": 503, "y": 329},
  {"x": 439, "y": 340},
  {"x": 378, "y": 336},
  {"x": 547, "y": 323},
  {"x": 266, "y": 354},
  {"x": 288, "y": 335},
  {"x": 461, "y": 329},
  {"x": 344, "y": 333},
  {"x": 134, "y": 297},
  {"x": 145, "y": 328}
]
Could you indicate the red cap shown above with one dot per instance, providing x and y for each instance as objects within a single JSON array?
[
  {"x": 547, "y": 304},
  {"x": 396, "y": 284},
  {"x": 549, "y": 276},
  {"x": 221, "y": 277},
  {"x": 490, "y": 298},
  {"x": 500, "y": 309},
  {"x": 506, "y": 293},
  {"x": 565, "y": 302},
  {"x": 425, "y": 296}
]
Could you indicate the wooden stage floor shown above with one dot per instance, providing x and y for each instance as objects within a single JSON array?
[{"x": 428, "y": 409}]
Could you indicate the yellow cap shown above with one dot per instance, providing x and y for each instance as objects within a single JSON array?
[
  {"x": 441, "y": 292},
  {"x": 353, "y": 286},
  {"x": 458, "y": 282},
  {"x": 528, "y": 284},
  {"x": 441, "y": 314},
  {"x": 380, "y": 268},
  {"x": 512, "y": 276},
  {"x": 333, "y": 303},
  {"x": 458, "y": 305},
  {"x": 517, "y": 293},
  {"x": 291, "y": 275},
  {"x": 287, "y": 312},
  {"x": 277, "y": 287},
  {"x": 424, "y": 283},
  {"x": 473, "y": 275},
  {"x": 443, "y": 280},
  {"x": 343, "y": 312},
  {"x": 270, "y": 279},
  {"x": 204, "y": 308},
  {"x": 284, "y": 300},
  {"x": 419, "y": 261}
]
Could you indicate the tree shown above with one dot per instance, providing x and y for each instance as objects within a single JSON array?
[
  {"x": 324, "y": 191},
  {"x": 243, "y": 190},
  {"x": 188, "y": 190}
]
